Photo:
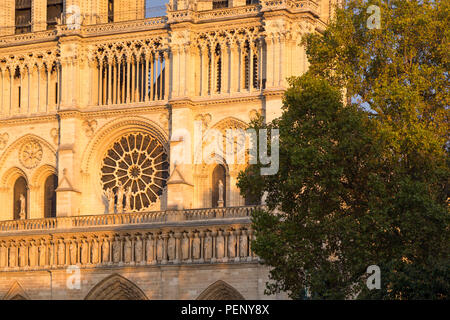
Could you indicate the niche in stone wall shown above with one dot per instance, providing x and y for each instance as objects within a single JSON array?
[
  {"x": 20, "y": 189},
  {"x": 50, "y": 196},
  {"x": 219, "y": 177}
]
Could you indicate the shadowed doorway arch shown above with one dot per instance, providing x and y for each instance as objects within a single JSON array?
[
  {"x": 116, "y": 287},
  {"x": 220, "y": 290}
]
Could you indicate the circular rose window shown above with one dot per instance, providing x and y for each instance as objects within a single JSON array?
[{"x": 138, "y": 162}]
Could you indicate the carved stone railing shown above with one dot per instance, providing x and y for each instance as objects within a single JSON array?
[
  {"x": 218, "y": 213},
  {"x": 158, "y": 245},
  {"x": 161, "y": 22},
  {"x": 124, "y": 219},
  {"x": 32, "y": 224},
  {"x": 292, "y": 5},
  {"x": 237, "y": 12},
  {"x": 125, "y": 26},
  {"x": 16, "y": 39},
  {"x": 244, "y": 11}
]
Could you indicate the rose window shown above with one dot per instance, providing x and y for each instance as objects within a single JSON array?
[
  {"x": 138, "y": 161},
  {"x": 30, "y": 154}
]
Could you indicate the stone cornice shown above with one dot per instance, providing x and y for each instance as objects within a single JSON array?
[
  {"x": 239, "y": 15},
  {"x": 26, "y": 119},
  {"x": 111, "y": 111}
]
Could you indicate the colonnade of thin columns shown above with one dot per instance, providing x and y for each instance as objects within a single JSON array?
[
  {"x": 131, "y": 79},
  {"x": 29, "y": 89},
  {"x": 230, "y": 68}
]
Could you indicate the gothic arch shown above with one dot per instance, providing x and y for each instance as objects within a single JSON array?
[
  {"x": 230, "y": 122},
  {"x": 94, "y": 199},
  {"x": 116, "y": 287},
  {"x": 203, "y": 177},
  {"x": 7, "y": 191},
  {"x": 38, "y": 181},
  {"x": 114, "y": 129},
  {"x": 16, "y": 292},
  {"x": 204, "y": 171},
  {"x": 18, "y": 142},
  {"x": 220, "y": 290}
]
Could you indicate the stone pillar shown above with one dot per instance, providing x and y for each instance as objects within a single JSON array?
[
  {"x": 204, "y": 70},
  {"x": 234, "y": 69},
  {"x": 7, "y": 19},
  {"x": 180, "y": 190},
  {"x": 129, "y": 59},
  {"x": 225, "y": 68}
]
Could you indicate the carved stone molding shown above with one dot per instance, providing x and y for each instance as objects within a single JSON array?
[
  {"x": 30, "y": 154},
  {"x": 4, "y": 137},
  {"x": 89, "y": 127},
  {"x": 54, "y": 133},
  {"x": 159, "y": 246}
]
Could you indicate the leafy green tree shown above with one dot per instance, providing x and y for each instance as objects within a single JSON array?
[{"x": 366, "y": 182}]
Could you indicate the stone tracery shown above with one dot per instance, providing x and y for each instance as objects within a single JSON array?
[{"x": 137, "y": 161}]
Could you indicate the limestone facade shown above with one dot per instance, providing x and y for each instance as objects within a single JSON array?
[{"x": 93, "y": 108}]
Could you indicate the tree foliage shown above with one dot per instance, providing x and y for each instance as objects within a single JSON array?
[{"x": 363, "y": 182}]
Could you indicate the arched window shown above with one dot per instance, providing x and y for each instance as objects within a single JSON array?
[
  {"x": 54, "y": 11},
  {"x": 110, "y": 11},
  {"x": 218, "y": 58},
  {"x": 219, "y": 178},
  {"x": 20, "y": 189},
  {"x": 50, "y": 196},
  {"x": 23, "y": 16}
]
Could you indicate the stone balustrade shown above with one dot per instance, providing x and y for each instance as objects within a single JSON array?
[
  {"x": 9, "y": 40},
  {"x": 293, "y": 5},
  {"x": 150, "y": 246},
  {"x": 161, "y": 22},
  {"x": 135, "y": 218}
]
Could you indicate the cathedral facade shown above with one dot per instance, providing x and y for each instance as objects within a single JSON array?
[{"x": 98, "y": 104}]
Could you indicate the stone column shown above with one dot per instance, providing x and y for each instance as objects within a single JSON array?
[
  {"x": 250, "y": 64},
  {"x": 147, "y": 58},
  {"x": 167, "y": 74},
  {"x": 165, "y": 236},
  {"x": 177, "y": 236},
  {"x": 225, "y": 69},
  {"x": 204, "y": 70},
  {"x": 128, "y": 79},
  {"x": 152, "y": 76},
  {"x": 270, "y": 43},
  {"x": 213, "y": 70},
  {"x": 242, "y": 66},
  {"x": 109, "y": 99},
  {"x": 7, "y": 17},
  {"x": 38, "y": 15}
]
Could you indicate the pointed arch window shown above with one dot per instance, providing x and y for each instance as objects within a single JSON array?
[
  {"x": 50, "y": 196},
  {"x": 110, "y": 11},
  {"x": 20, "y": 190},
  {"x": 54, "y": 11}
]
